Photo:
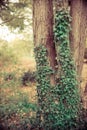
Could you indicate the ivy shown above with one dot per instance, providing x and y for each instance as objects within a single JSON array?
[
  {"x": 58, "y": 107},
  {"x": 43, "y": 87},
  {"x": 67, "y": 85}
]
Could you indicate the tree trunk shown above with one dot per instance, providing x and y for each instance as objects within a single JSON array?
[
  {"x": 78, "y": 33},
  {"x": 83, "y": 35},
  {"x": 43, "y": 29}
]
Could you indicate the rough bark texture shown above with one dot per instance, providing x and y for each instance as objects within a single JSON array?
[
  {"x": 83, "y": 34},
  {"x": 43, "y": 28},
  {"x": 78, "y": 33}
]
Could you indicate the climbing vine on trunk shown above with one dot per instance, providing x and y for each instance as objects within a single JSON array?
[
  {"x": 67, "y": 86},
  {"x": 43, "y": 86},
  {"x": 58, "y": 107}
]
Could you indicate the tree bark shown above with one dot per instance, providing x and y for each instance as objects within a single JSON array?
[
  {"x": 78, "y": 33},
  {"x": 43, "y": 29}
]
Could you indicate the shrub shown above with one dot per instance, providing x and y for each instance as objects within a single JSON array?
[{"x": 28, "y": 77}]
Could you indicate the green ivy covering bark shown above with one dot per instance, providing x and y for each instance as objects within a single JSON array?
[
  {"x": 43, "y": 86},
  {"x": 58, "y": 106},
  {"x": 67, "y": 85}
]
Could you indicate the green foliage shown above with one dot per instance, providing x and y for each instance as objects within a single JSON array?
[
  {"x": 66, "y": 89},
  {"x": 19, "y": 105},
  {"x": 17, "y": 116},
  {"x": 43, "y": 86}
]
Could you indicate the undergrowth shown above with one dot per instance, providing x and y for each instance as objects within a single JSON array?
[{"x": 17, "y": 112}]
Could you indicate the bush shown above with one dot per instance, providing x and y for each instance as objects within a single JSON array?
[{"x": 28, "y": 77}]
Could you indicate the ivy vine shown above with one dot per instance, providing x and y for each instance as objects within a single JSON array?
[
  {"x": 43, "y": 87},
  {"x": 67, "y": 85},
  {"x": 58, "y": 106}
]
